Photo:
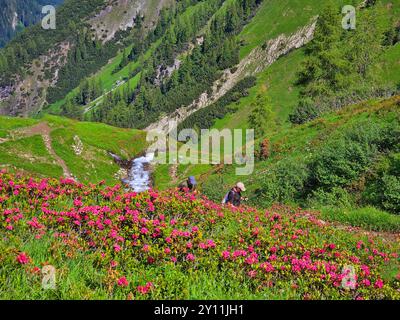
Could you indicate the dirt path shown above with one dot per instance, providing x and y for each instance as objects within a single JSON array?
[
  {"x": 173, "y": 173},
  {"x": 44, "y": 130}
]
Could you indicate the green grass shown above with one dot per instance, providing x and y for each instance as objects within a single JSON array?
[
  {"x": 279, "y": 79},
  {"x": 390, "y": 66},
  {"x": 11, "y": 123},
  {"x": 29, "y": 154},
  {"x": 367, "y": 218},
  {"x": 276, "y": 17},
  {"x": 93, "y": 165}
]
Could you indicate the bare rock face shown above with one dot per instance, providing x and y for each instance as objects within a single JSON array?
[
  {"x": 121, "y": 14},
  {"x": 258, "y": 60}
]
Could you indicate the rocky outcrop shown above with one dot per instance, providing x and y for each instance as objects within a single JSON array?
[
  {"x": 258, "y": 60},
  {"x": 165, "y": 72},
  {"x": 120, "y": 15}
]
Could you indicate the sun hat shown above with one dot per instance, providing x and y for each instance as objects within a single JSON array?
[{"x": 240, "y": 185}]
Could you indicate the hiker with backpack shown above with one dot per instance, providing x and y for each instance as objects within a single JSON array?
[
  {"x": 234, "y": 196},
  {"x": 188, "y": 185}
]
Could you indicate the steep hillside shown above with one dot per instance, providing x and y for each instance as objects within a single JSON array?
[
  {"x": 55, "y": 147},
  {"x": 205, "y": 64},
  {"x": 16, "y": 15},
  {"x": 282, "y": 145},
  {"x": 41, "y": 66},
  {"x": 103, "y": 243}
]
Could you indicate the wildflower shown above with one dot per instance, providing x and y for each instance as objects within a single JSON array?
[
  {"x": 267, "y": 267},
  {"x": 190, "y": 257},
  {"x": 226, "y": 254},
  {"x": 36, "y": 270},
  {"x": 378, "y": 284},
  {"x": 78, "y": 203},
  {"x": 273, "y": 249},
  {"x": 145, "y": 289},
  {"x": 123, "y": 282},
  {"x": 252, "y": 273},
  {"x": 22, "y": 258},
  {"x": 365, "y": 270},
  {"x": 366, "y": 282}
]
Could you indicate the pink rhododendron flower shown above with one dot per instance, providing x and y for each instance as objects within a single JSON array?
[
  {"x": 252, "y": 273},
  {"x": 365, "y": 270},
  {"x": 190, "y": 257},
  {"x": 145, "y": 289},
  {"x": 366, "y": 282},
  {"x": 123, "y": 282},
  {"x": 378, "y": 284},
  {"x": 23, "y": 258},
  {"x": 226, "y": 254}
]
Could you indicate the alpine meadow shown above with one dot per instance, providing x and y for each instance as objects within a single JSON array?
[{"x": 200, "y": 150}]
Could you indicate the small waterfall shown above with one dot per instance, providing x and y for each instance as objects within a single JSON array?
[{"x": 139, "y": 177}]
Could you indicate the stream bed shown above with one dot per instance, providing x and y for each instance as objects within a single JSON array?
[{"x": 139, "y": 174}]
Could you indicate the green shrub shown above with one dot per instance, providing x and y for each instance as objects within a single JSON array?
[
  {"x": 384, "y": 189},
  {"x": 286, "y": 182},
  {"x": 390, "y": 194},
  {"x": 337, "y": 197},
  {"x": 305, "y": 111},
  {"x": 345, "y": 157}
]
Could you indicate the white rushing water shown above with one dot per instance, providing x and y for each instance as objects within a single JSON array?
[{"x": 139, "y": 178}]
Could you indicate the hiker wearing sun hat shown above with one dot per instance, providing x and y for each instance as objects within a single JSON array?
[
  {"x": 188, "y": 185},
  {"x": 234, "y": 196}
]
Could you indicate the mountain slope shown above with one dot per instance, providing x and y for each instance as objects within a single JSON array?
[
  {"x": 40, "y": 66},
  {"x": 54, "y": 147},
  {"x": 16, "y": 15}
]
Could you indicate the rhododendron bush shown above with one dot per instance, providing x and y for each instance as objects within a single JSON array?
[{"x": 110, "y": 243}]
